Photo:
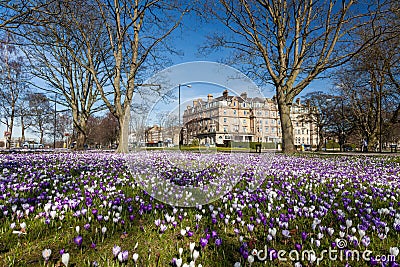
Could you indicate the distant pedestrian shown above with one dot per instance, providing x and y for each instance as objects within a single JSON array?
[{"x": 365, "y": 145}]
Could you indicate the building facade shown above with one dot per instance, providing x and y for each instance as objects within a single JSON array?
[{"x": 227, "y": 118}]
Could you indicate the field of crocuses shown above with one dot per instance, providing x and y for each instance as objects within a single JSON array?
[{"x": 105, "y": 209}]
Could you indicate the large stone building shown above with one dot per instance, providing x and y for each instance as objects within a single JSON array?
[{"x": 229, "y": 118}]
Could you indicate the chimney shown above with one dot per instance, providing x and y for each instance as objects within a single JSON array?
[
  {"x": 225, "y": 94},
  {"x": 209, "y": 97},
  {"x": 195, "y": 103},
  {"x": 243, "y": 95},
  {"x": 298, "y": 101}
]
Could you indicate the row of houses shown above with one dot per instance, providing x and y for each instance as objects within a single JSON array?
[{"x": 229, "y": 118}]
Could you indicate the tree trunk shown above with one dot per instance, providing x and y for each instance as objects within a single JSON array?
[
  {"x": 22, "y": 129},
  {"x": 320, "y": 141},
  {"x": 287, "y": 128},
  {"x": 124, "y": 131},
  {"x": 41, "y": 136},
  {"x": 82, "y": 137},
  {"x": 80, "y": 141},
  {"x": 11, "y": 126}
]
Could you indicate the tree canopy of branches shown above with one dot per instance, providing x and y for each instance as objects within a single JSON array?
[
  {"x": 61, "y": 57},
  {"x": 370, "y": 80},
  {"x": 134, "y": 29},
  {"x": 41, "y": 111},
  {"x": 103, "y": 130},
  {"x": 13, "y": 81},
  {"x": 290, "y": 43}
]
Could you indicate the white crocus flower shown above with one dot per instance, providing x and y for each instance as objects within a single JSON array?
[
  {"x": 46, "y": 254},
  {"x": 65, "y": 259}
]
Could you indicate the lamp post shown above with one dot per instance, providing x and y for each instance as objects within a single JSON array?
[
  {"x": 380, "y": 117},
  {"x": 179, "y": 109},
  {"x": 55, "y": 121}
]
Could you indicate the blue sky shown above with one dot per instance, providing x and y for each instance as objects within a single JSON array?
[{"x": 193, "y": 35}]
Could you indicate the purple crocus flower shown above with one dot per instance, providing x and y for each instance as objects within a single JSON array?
[
  {"x": 78, "y": 240},
  {"x": 123, "y": 256},
  {"x": 218, "y": 242},
  {"x": 116, "y": 250},
  {"x": 214, "y": 234},
  {"x": 304, "y": 236},
  {"x": 250, "y": 227},
  {"x": 203, "y": 242}
]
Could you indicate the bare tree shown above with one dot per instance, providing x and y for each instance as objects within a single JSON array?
[
  {"x": 370, "y": 80},
  {"x": 40, "y": 118},
  {"x": 322, "y": 113},
  {"x": 103, "y": 130},
  {"x": 13, "y": 81},
  {"x": 134, "y": 30},
  {"x": 290, "y": 43},
  {"x": 14, "y": 13},
  {"x": 24, "y": 114},
  {"x": 61, "y": 57}
]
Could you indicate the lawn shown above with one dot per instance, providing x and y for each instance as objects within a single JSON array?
[{"x": 165, "y": 208}]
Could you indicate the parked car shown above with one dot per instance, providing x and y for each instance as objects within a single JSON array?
[
  {"x": 32, "y": 145},
  {"x": 73, "y": 145},
  {"x": 348, "y": 148}
]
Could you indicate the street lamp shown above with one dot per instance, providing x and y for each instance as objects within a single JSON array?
[
  {"x": 55, "y": 121},
  {"x": 179, "y": 108}
]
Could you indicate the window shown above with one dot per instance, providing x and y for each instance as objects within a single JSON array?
[
  {"x": 224, "y": 111},
  {"x": 245, "y": 129},
  {"x": 225, "y": 120},
  {"x": 297, "y": 123},
  {"x": 244, "y": 112},
  {"x": 235, "y": 121},
  {"x": 266, "y": 121},
  {"x": 244, "y": 104},
  {"x": 225, "y": 130},
  {"x": 260, "y": 122},
  {"x": 234, "y": 112},
  {"x": 303, "y": 140},
  {"x": 279, "y": 122},
  {"x": 302, "y": 131},
  {"x": 244, "y": 121},
  {"x": 266, "y": 129},
  {"x": 234, "y": 104},
  {"x": 266, "y": 113},
  {"x": 273, "y": 130},
  {"x": 260, "y": 129}
]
